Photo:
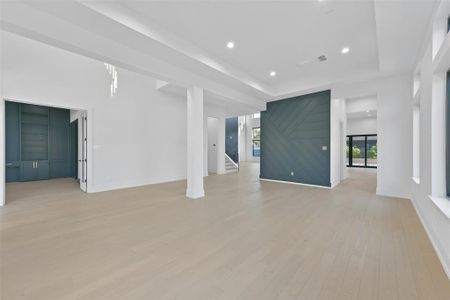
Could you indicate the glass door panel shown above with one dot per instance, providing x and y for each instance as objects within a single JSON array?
[
  {"x": 372, "y": 151},
  {"x": 359, "y": 151}
]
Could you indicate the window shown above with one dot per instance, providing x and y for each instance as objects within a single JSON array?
[
  {"x": 256, "y": 115},
  {"x": 348, "y": 152},
  {"x": 362, "y": 151},
  {"x": 256, "y": 141}
]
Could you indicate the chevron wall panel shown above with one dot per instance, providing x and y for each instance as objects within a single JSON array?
[{"x": 294, "y": 133}]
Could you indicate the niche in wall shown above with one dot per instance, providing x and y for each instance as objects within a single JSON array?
[
  {"x": 37, "y": 142},
  {"x": 295, "y": 139}
]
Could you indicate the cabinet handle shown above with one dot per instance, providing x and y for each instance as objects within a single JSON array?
[{"x": 36, "y": 165}]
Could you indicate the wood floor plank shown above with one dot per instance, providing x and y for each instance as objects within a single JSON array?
[{"x": 246, "y": 239}]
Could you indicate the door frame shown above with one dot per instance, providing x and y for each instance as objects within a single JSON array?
[
  {"x": 74, "y": 137},
  {"x": 89, "y": 115}
]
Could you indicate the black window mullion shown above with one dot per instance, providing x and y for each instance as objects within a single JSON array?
[
  {"x": 350, "y": 154},
  {"x": 365, "y": 151}
]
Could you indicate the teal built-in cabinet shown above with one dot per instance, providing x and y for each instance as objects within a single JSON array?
[{"x": 37, "y": 142}]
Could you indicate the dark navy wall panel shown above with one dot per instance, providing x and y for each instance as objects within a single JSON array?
[
  {"x": 231, "y": 138},
  {"x": 295, "y": 139}
]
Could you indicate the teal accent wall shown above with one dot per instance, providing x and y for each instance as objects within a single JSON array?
[
  {"x": 231, "y": 138},
  {"x": 293, "y": 134}
]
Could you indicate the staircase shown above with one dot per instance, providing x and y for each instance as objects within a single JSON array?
[{"x": 230, "y": 165}]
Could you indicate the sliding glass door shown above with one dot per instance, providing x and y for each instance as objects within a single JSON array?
[{"x": 362, "y": 151}]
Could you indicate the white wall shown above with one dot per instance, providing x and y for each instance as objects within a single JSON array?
[
  {"x": 126, "y": 148},
  {"x": 431, "y": 152},
  {"x": 361, "y": 104},
  {"x": 394, "y": 127},
  {"x": 362, "y": 126},
  {"x": 338, "y": 124}
]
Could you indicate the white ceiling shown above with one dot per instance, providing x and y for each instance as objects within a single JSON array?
[
  {"x": 288, "y": 36},
  {"x": 385, "y": 38},
  {"x": 283, "y": 36}
]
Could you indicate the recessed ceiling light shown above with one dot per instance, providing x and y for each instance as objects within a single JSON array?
[
  {"x": 345, "y": 50},
  {"x": 273, "y": 73},
  {"x": 230, "y": 45}
]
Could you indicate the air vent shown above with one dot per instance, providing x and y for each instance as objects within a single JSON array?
[{"x": 322, "y": 58}]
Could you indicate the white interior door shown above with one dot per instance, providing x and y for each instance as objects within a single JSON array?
[
  {"x": 212, "y": 144},
  {"x": 83, "y": 159}
]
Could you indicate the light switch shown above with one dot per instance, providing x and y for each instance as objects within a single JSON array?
[{"x": 324, "y": 148}]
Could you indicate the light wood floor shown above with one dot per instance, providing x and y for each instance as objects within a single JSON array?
[{"x": 246, "y": 240}]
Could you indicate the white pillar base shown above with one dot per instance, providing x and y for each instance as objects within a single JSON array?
[{"x": 195, "y": 194}]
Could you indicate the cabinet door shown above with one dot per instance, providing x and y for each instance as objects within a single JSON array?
[
  {"x": 27, "y": 171},
  {"x": 42, "y": 167}
]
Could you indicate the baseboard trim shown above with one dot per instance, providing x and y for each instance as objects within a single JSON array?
[
  {"x": 193, "y": 195},
  {"x": 334, "y": 183},
  {"x": 436, "y": 245},
  {"x": 380, "y": 192},
  {"x": 104, "y": 188},
  {"x": 296, "y": 183}
]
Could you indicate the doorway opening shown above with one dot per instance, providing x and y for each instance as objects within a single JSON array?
[
  {"x": 46, "y": 150},
  {"x": 361, "y": 140}
]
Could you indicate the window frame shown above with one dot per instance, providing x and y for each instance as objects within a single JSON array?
[{"x": 350, "y": 153}]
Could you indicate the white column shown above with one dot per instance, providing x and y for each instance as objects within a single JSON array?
[
  {"x": 2, "y": 128},
  {"x": 221, "y": 145},
  {"x": 195, "y": 143},
  {"x": 2, "y": 149}
]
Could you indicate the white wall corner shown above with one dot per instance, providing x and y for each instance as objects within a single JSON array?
[{"x": 335, "y": 183}]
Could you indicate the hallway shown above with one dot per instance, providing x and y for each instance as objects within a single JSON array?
[{"x": 245, "y": 240}]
